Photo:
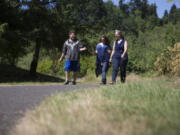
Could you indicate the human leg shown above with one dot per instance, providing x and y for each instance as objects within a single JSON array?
[
  {"x": 67, "y": 72},
  {"x": 74, "y": 78},
  {"x": 67, "y": 77},
  {"x": 123, "y": 64},
  {"x": 75, "y": 67},
  {"x": 104, "y": 69},
  {"x": 115, "y": 62}
]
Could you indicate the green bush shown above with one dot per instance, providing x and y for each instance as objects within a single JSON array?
[
  {"x": 25, "y": 61},
  {"x": 87, "y": 66},
  {"x": 144, "y": 49},
  {"x": 45, "y": 66}
]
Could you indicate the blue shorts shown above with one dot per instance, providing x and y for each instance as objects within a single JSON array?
[{"x": 72, "y": 66}]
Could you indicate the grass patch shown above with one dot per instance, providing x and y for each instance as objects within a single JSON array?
[{"x": 139, "y": 107}]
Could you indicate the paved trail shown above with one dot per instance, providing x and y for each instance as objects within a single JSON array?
[{"x": 15, "y": 100}]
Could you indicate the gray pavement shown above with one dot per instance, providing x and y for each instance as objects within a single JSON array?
[{"x": 15, "y": 100}]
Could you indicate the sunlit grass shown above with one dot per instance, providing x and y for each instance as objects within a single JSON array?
[{"x": 139, "y": 107}]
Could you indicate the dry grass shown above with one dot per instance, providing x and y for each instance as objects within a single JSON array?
[
  {"x": 92, "y": 79},
  {"x": 134, "y": 108},
  {"x": 82, "y": 115}
]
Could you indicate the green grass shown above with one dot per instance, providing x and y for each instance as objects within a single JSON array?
[
  {"x": 149, "y": 102},
  {"x": 16, "y": 75},
  {"x": 139, "y": 107}
]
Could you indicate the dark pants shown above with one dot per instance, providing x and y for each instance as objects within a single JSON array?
[{"x": 119, "y": 62}]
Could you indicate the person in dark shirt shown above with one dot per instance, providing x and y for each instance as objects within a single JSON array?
[
  {"x": 119, "y": 57},
  {"x": 71, "y": 50},
  {"x": 103, "y": 51}
]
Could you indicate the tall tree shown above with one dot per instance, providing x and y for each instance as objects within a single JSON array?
[
  {"x": 173, "y": 14},
  {"x": 36, "y": 16},
  {"x": 12, "y": 46},
  {"x": 144, "y": 8},
  {"x": 124, "y": 7},
  {"x": 134, "y": 5},
  {"x": 165, "y": 18}
]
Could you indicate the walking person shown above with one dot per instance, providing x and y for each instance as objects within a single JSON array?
[
  {"x": 103, "y": 51},
  {"x": 71, "y": 50},
  {"x": 119, "y": 57}
]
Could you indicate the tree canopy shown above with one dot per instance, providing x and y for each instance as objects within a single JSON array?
[{"x": 45, "y": 24}]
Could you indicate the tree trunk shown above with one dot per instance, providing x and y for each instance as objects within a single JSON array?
[{"x": 35, "y": 58}]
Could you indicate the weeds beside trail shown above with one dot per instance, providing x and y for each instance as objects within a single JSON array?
[{"x": 139, "y": 107}]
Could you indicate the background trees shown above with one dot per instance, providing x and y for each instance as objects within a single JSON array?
[
  {"x": 37, "y": 29},
  {"x": 12, "y": 43}
]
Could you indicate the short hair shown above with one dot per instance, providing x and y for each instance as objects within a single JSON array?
[
  {"x": 119, "y": 33},
  {"x": 72, "y": 31}
]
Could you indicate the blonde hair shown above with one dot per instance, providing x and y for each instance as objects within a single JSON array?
[{"x": 119, "y": 33}]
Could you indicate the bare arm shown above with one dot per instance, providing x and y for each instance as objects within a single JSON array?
[
  {"x": 83, "y": 49},
  {"x": 125, "y": 49},
  {"x": 63, "y": 53},
  {"x": 110, "y": 60},
  {"x": 61, "y": 58},
  {"x": 96, "y": 51}
]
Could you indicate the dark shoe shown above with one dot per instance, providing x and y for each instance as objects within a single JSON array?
[
  {"x": 123, "y": 80},
  {"x": 66, "y": 82},
  {"x": 103, "y": 83},
  {"x": 73, "y": 83}
]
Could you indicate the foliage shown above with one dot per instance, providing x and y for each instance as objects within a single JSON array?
[
  {"x": 44, "y": 25},
  {"x": 12, "y": 43},
  {"x": 45, "y": 66},
  {"x": 169, "y": 61},
  {"x": 144, "y": 50}
]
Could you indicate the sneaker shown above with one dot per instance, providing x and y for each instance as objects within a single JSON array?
[
  {"x": 66, "y": 82},
  {"x": 112, "y": 83},
  {"x": 73, "y": 83}
]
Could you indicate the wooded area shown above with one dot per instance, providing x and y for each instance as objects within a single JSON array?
[{"x": 42, "y": 26}]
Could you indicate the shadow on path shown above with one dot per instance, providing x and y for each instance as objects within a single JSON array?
[{"x": 10, "y": 74}]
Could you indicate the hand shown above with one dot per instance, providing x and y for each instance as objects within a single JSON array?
[
  {"x": 122, "y": 56},
  {"x": 60, "y": 61},
  {"x": 110, "y": 60},
  {"x": 94, "y": 53}
]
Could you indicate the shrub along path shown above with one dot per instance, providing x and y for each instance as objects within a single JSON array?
[{"x": 15, "y": 100}]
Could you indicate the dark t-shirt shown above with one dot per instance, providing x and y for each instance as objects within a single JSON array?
[
  {"x": 71, "y": 49},
  {"x": 119, "y": 49}
]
